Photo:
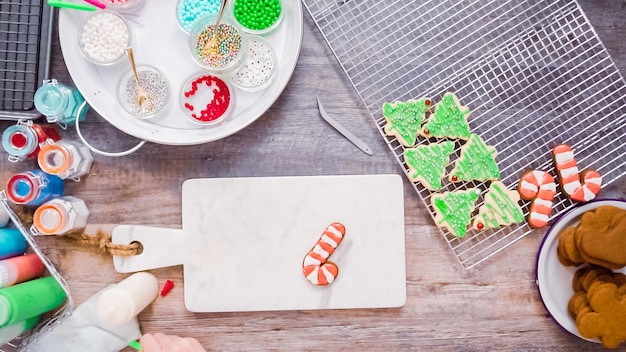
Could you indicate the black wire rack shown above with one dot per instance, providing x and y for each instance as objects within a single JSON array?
[{"x": 25, "y": 35}]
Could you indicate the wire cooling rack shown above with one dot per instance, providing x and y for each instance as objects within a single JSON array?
[
  {"x": 25, "y": 34},
  {"x": 534, "y": 74}
]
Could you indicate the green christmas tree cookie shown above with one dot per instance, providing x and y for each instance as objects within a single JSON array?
[
  {"x": 476, "y": 163},
  {"x": 427, "y": 163},
  {"x": 500, "y": 208},
  {"x": 449, "y": 120},
  {"x": 404, "y": 119},
  {"x": 453, "y": 210}
]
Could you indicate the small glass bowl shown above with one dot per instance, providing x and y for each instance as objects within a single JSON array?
[
  {"x": 200, "y": 103},
  {"x": 123, "y": 6},
  {"x": 98, "y": 41},
  {"x": 153, "y": 82},
  {"x": 230, "y": 44},
  {"x": 188, "y": 11},
  {"x": 259, "y": 68},
  {"x": 240, "y": 7}
]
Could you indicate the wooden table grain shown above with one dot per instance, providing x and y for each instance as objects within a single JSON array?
[{"x": 494, "y": 306}]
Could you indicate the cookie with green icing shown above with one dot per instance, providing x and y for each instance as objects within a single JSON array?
[
  {"x": 453, "y": 210},
  {"x": 449, "y": 120},
  {"x": 477, "y": 162},
  {"x": 404, "y": 119},
  {"x": 501, "y": 207},
  {"x": 427, "y": 163}
]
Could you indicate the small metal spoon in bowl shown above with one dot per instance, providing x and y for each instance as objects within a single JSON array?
[
  {"x": 212, "y": 45},
  {"x": 142, "y": 96}
]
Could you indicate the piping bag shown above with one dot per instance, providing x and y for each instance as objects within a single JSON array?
[{"x": 95, "y": 326}]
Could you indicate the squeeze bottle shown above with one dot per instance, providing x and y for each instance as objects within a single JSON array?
[
  {"x": 10, "y": 332},
  {"x": 29, "y": 299},
  {"x": 19, "y": 269},
  {"x": 125, "y": 300},
  {"x": 12, "y": 243}
]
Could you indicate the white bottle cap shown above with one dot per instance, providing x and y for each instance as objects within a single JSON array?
[
  {"x": 4, "y": 217},
  {"x": 5, "y": 310}
]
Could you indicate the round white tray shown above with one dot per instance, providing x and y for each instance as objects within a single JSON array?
[
  {"x": 158, "y": 41},
  {"x": 555, "y": 280}
]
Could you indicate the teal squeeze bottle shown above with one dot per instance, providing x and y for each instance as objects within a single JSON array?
[
  {"x": 12, "y": 243},
  {"x": 29, "y": 299}
]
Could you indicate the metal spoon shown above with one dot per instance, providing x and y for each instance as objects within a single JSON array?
[
  {"x": 142, "y": 96},
  {"x": 212, "y": 45}
]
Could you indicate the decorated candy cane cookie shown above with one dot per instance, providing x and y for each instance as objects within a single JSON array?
[
  {"x": 538, "y": 186},
  {"x": 570, "y": 179},
  {"x": 316, "y": 267}
]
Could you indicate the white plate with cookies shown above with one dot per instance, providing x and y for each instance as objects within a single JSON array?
[{"x": 554, "y": 280}]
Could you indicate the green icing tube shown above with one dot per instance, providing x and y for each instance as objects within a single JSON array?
[{"x": 29, "y": 299}]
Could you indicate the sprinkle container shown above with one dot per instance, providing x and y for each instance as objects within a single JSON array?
[
  {"x": 22, "y": 141},
  {"x": 60, "y": 103},
  {"x": 207, "y": 99},
  {"x": 258, "y": 16},
  {"x": 222, "y": 55},
  {"x": 65, "y": 159},
  {"x": 104, "y": 38},
  {"x": 188, "y": 11},
  {"x": 153, "y": 82},
  {"x": 34, "y": 187},
  {"x": 60, "y": 216},
  {"x": 258, "y": 69}
]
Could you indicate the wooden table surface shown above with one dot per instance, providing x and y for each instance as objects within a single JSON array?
[{"x": 494, "y": 306}]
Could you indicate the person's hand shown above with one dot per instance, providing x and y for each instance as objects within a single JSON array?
[{"x": 169, "y": 343}]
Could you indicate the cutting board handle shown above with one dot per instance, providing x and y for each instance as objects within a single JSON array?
[{"x": 162, "y": 247}]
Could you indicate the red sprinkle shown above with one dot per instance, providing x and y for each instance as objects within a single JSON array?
[
  {"x": 167, "y": 287},
  {"x": 426, "y": 131},
  {"x": 427, "y": 102},
  {"x": 454, "y": 178},
  {"x": 480, "y": 226}
]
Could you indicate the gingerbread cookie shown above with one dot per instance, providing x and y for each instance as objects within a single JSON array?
[
  {"x": 570, "y": 178},
  {"x": 427, "y": 163},
  {"x": 598, "y": 239},
  {"x": 607, "y": 319},
  {"x": 538, "y": 187},
  {"x": 449, "y": 120},
  {"x": 454, "y": 209},
  {"x": 315, "y": 266},
  {"x": 500, "y": 208},
  {"x": 476, "y": 163},
  {"x": 404, "y": 119}
]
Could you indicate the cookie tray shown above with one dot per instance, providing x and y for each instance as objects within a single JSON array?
[{"x": 534, "y": 74}]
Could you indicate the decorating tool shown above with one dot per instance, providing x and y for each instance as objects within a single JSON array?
[
  {"x": 71, "y": 5},
  {"x": 351, "y": 137}
]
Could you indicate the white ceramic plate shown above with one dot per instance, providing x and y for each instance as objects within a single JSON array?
[
  {"x": 555, "y": 280},
  {"x": 158, "y": 41}
]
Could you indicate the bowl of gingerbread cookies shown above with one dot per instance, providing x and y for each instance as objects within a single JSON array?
[{"x": 581, "y": 274}]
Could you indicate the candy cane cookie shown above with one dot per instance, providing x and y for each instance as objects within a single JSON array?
[
  {"x": 316, "y": 267},
  {"x": 570, "y": 178},
  {"x": 539, "y": 187}
]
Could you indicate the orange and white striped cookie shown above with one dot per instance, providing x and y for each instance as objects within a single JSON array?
[
  {"x": 539, "y": 187},
  {"x": 316, "y": 267},
  {"x": 570, "y": 178}
]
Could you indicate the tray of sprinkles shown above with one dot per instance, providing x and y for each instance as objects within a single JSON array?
[{"x": 203, "y": 82}]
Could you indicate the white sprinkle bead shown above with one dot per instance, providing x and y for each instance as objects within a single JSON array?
[
  {"x": 104, "y": 38},
  {"x": 259, "y": 67}
]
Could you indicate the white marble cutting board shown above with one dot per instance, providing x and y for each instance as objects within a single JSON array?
[{"x": 243, "y": 241}]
